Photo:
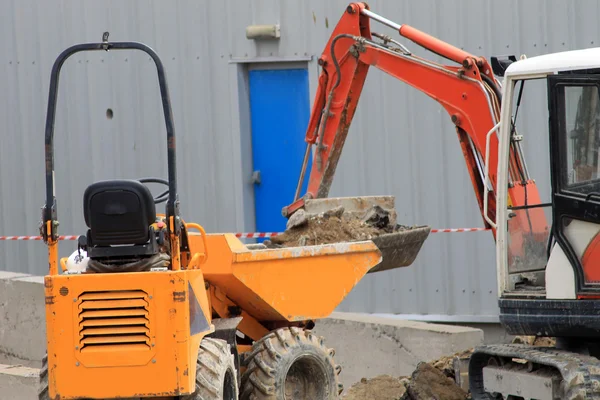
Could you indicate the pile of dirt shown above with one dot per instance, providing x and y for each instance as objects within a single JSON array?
[
  {"x": 382, "y": 387},
  {"x": 335, "y": 226},
  {"x": 446, "y": 366},
  {"x": 535, "y": 341},
  {"x": 430, "y": 381},
  {"x": 435, "y": 380}
]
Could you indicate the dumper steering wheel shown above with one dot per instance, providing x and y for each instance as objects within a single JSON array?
[{"x": 164, "y": 196}]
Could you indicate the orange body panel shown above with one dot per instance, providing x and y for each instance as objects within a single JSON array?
[
  {"x": 591, "y": 263},
  {"x": 288, "y": 284},
  {"x": 125, "y": 334},
  {"x": 248, "y": 325}
]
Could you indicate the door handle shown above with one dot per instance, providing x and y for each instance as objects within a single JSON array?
[
  {"x": 256, "y": 177},
  {"x": 592, "y": 194}
]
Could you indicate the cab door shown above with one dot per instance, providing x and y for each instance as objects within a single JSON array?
[{"x": 575, "y": 173}]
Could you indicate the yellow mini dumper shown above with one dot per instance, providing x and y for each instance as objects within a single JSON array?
[{"x": 158, "y": 311}]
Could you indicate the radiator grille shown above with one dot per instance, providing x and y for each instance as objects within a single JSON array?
[{"x": 113, "y": 320}]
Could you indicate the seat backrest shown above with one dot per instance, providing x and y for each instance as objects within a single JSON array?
[{"x": 118, "y": 212}]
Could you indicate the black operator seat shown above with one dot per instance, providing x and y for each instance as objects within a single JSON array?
[{"x": 119, "y": 213}]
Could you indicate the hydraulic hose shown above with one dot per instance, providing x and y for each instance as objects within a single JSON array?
[
  {"x": 495, "y": 88},
  {"x": 325, "y": 113}
]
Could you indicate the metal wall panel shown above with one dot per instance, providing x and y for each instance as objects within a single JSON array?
[{"x": 401, "y": 142}]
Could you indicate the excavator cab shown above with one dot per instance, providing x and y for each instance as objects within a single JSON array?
[
  {"x": 134, "y": 320},
  {"x": 553, "y": 293}
]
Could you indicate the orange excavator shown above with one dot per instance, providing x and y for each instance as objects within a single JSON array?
[
  {"x": 469, "y": 93},
  {"x": 547, "y": 271}
]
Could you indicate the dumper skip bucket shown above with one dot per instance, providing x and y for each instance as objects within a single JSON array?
[{"x": 293, "y": 284}]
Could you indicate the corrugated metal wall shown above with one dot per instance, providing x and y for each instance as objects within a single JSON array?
[{"x": 401, "y": 142}]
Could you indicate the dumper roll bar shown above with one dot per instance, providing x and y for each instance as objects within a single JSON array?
[{"x": 48, "y": 229}]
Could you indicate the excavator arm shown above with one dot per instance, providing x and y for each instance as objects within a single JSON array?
[{"x": 469, "y": 92}]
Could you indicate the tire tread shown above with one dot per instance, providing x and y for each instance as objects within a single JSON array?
[{"x": 260, "y": 379}]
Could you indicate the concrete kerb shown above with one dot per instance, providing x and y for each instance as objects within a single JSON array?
[
  {"x": 368, "y": 346},
  {"x": 22, "y": 319},
  {"x": 18, "y": 382}
]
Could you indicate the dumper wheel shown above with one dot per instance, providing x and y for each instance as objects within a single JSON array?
[
  {"x": 43, "y": 385},
  {"x": 216, "y": 376},
  {"x": 290, "y": 363}
]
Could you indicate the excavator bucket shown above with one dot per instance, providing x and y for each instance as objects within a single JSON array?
[{"x": 398, "y": 248}]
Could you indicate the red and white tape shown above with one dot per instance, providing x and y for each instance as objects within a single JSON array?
[
  {"x": 36, "y": 237},
  {"x": 249, "y": 235},
  {"x": 459, "y": 230},
  {"x": 256, "y": 235}
]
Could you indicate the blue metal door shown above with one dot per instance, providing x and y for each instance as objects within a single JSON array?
[{"x": 279, "y": 111}]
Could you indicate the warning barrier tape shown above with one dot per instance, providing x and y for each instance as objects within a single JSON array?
[
  {"x": 257, "y": 235},
  {"x": 460, "y": 230},
  {"x": 250, "y": 235},
  {"x": 35, "y": 237}
]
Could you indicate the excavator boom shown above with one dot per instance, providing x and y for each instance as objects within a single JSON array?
[{"x": 469, "y": 93}]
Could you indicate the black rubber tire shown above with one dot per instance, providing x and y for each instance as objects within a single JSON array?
[
  {"x": 216, "y": 376},
  {"x": 293, "y": 360},
  {"x": 43, "y": 393}
]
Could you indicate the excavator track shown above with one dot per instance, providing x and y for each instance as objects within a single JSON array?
[{"x": 576, "y": 376}]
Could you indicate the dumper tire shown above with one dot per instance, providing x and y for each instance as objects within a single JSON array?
[
  {"x": 290, "y": 363},
  {"x": 216, "y": 375},
  {"x": 43, "y": 393}
]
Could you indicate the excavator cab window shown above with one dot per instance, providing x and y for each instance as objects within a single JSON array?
[
  {"x": 575, "y": 135},
  {"x": 529, "y": 201},
  {"x": 580, "y": 170}
]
